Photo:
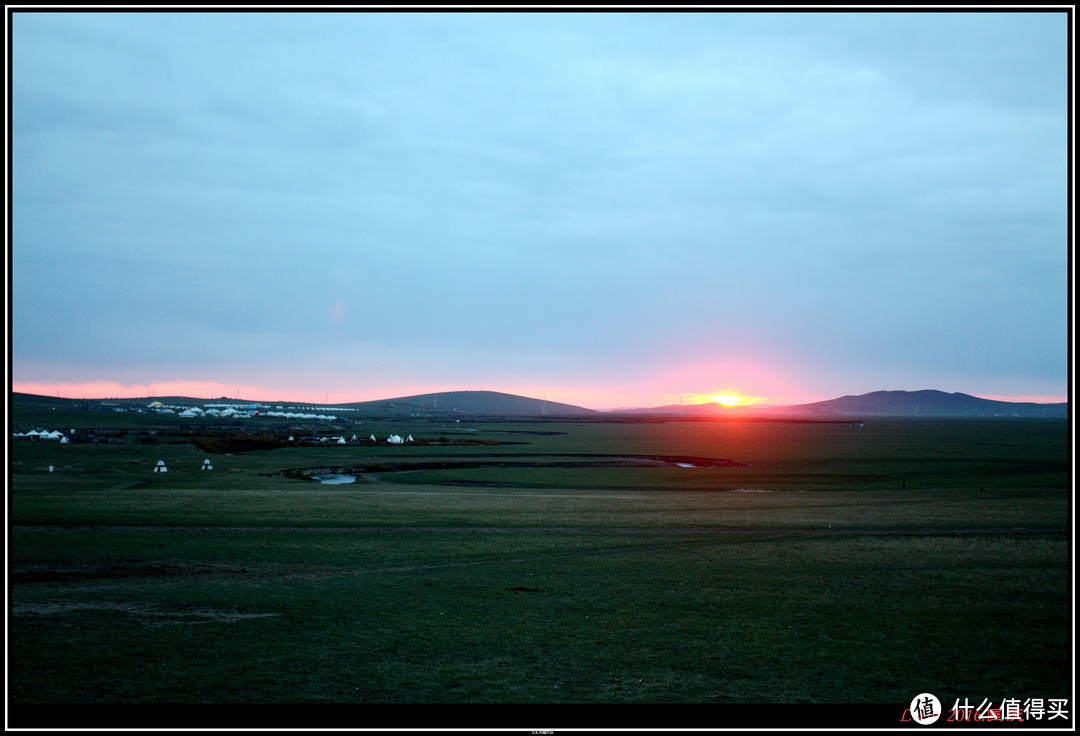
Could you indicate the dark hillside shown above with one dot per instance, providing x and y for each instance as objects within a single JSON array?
[
  {"x": 925, "y": 404},
  {"x": 474, "y": 403}
]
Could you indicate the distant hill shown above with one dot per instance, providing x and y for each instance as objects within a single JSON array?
[
  {"x": 30, "y": 400},
  {"x": 495, "y": 404},
  {"x": 37, "y": 400},
  {"x": 473, "y": 403},
  {"x": 878, "y": 403},
  {"x": 685, "y": 411},
  {"x": 458, "y": 403},
  {"x": 924, "y": 404}
]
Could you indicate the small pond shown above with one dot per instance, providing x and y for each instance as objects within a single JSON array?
[{"x": 335, "y": 478}]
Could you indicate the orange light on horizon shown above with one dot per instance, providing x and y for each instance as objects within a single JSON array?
[{"x": 728, "y": 398}]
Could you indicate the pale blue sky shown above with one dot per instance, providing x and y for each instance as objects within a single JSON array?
[{"x": 611, "y": 208}]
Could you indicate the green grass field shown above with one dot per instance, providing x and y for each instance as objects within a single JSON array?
[{"x": 835, "y": 564}]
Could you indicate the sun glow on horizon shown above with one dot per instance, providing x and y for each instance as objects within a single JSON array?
[
  {"x": 727, "y": 398},
  {"x": 587, "y": 396}
]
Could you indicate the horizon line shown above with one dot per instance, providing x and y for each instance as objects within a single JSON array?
[{"x": 200, "y": 390}]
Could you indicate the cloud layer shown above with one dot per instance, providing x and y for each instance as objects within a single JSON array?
[{"x": 360, "y": 201}]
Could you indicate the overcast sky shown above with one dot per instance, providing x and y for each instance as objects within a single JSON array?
[{"x": 611, "y": 209}]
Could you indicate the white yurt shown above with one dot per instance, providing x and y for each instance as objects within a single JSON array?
[{"x": 394, "y": 439}]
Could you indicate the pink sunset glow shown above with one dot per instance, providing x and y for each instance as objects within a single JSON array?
[
  {"x": 752, "y": 384},
  {"x": 592, "y": 397}
]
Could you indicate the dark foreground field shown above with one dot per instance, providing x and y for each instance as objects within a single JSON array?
[{"x": 829, "y": 564}]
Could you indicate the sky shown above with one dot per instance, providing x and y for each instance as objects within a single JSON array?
[{"x": 606, "y": 209}]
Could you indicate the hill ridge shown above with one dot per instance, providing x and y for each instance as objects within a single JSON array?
[
  {"x": 482, "y": 402},
  {"x": 924, "y": 402}
]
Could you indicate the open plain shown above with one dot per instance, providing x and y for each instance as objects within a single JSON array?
[{"x": 547, "y": 562}]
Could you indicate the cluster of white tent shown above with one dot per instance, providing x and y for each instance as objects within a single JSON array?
[
  {"x": 295, "y": 415},
  {"x": 393, "y": 439},
  {"x": 190, "y": 412},
  {"x": 41, "y": 434},
  {"x": 194, "y": 411},
  {"x": 161, "y": 468}
]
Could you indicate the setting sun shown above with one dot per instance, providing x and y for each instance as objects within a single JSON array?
[{"x": 729, "y": 399}]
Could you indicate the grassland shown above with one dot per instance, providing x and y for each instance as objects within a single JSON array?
[{"x": 833, "y": 564}]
